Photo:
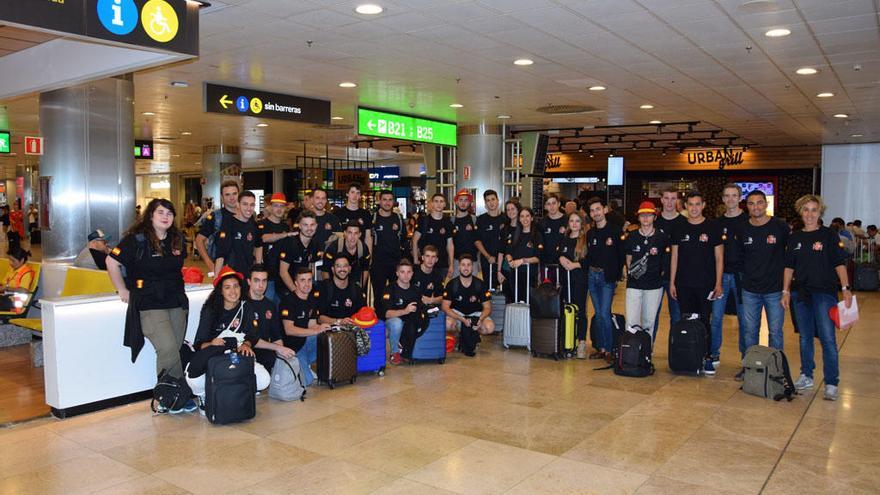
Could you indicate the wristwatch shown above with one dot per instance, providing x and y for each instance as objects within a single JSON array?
[{"x": 846, "y": 288}]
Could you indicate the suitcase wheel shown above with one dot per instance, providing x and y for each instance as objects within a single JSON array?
[
  {"x": 331, "y": 384},
  {"x": 506, "y": 346},
  {"x": 534, "y": 354},
  {"x": 441, "y": 360},
  {"x": 556, "y": 356},
  {"x": 381, "y": 371}
]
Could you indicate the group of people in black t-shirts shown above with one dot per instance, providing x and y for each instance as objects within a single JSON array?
[{"x": 278, "y": 284}]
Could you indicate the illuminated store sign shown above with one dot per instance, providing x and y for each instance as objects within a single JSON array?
[{"x": 722, "y": 157}]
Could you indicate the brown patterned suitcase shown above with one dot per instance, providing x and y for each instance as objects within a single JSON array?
[{"x": 337, "y": 357}]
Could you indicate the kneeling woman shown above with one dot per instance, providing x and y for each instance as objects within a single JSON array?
[
  {"x": 223, "y": 326},
  {"x": 18, "y": 281}
]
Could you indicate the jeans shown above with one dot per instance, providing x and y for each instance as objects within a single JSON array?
[
  {"x": 751, "y": 322},
  {"x": 306, "y": 356},
  {"x": 394, "y": 327},
  {"x": 814, "y": 321},
  {"x": 272, "y": 294},
  {"x": 641, "y": 307},
  {"x": 602, "y": 293},
  {"x": 672, "y": 304},
  {"x": 728, "y": 284}
]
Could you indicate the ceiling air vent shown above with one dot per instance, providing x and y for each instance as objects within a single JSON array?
[{"x": 567, "y": 109}]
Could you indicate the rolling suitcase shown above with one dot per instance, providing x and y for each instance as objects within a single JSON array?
[
  {"x": 337, "y": 357},
  {"x": 431, "y": 345},
  {"x": 517, "y": 318},
  {"x": 687, "y": 345},
  {"x": 544, "y": 334},
  {"x": 498, "y": 303},
  {"x": 374, "y": 361},
  {"x": 569, "y": 323},
  {"x": 230, "y": 389}
]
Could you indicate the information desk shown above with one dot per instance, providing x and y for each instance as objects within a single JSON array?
[{"x": 86, "y": 366}]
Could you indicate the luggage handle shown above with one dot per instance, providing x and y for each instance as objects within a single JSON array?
[
  {"x": 568, "y": 273},
  {"x": 516, "y": 281}
]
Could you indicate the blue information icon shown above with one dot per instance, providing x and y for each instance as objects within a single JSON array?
[
  {"x": 118, "y": 16},
  {"x": 242, "y": 104}
]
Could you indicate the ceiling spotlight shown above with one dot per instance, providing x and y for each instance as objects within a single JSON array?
[
  {"x": 185, "y": 133},
  {"x": 371, "y": 143},
  {"x": 690, "y": 127},
  {"x": 347, "y": 85},
  {"x": 777, "y": 33},
  {"x": 856, "y": 135},
  {"x": 841, "y": 115},
  {"x": 681, "y": 150},
  {"x": 655, "y": 122},
  {"x": 591, "y": 154},
  {"x": 597, "y": 88},
  {"x": 664, "y": 152},
  {"x": 262, "y": 124},
  {"x": 523, "y": 61},
  {"x": 606, "y": 139},
  {"x": 580, "y": 148},
  {"x": 336, "y": 117},
  {"x": 503, "y": 117},
  {"x": 456, "y": 105},
  {"x": 646, "y": 106},
  {"x": 745, "y": 148},
  {"x": 611, "y": 153},
  {"x": 806, "y": 71},
  {"x": 369, "y": 9},
  {"x": 179, "y": 84},
  {"x": 148, "y": 114},
  {"x": 827, "y": 94}
]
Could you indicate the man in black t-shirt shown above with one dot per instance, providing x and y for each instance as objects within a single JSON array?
[
  {"x": 488, "y": 241},
  {"x": 351, "y": 212},
  {"x": 667, "y": 221},
  {"x": 213, "y": 221},
  {"x": 352, "y": 247},
  {"x": 731, "y": 224},
  {"x": 237, "y": 239},
  {"x": 327, "y": 222},
  {"x": 552, "y": 228},
  {"x": 400, "y": 303},
  {"x": 299, "y": 315},
  {"x": 435, "y": 229},
  {"x": 389, "y": 234},
  {"x": 299, "y": 251},
  {"x": 605, "y": 260},
  {"x": 273, "y": 232},
  {"x": 466, "y": 302},
  {"x": 697, "y": 265},
  {"x": 646, "y": 251},
  {"x": 339, "y": 297},
  {"x": 265, "y": 318},
  {"x": 464, "y": 227},
  {"x": 427, "y": 279}
]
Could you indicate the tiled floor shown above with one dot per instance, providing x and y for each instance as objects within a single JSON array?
[{"x": 499, "y": 423}]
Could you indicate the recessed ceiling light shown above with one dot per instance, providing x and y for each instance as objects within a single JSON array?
[
  {"x": 646, "y": 106},
  {"x": 597, "y": 88},
  {"x": 369, "y": 9},
  {"x": 503, "y": 117},
  {"x": 262, "y": 124},
  {"x": 336, "y": 118},
  {"x": 856, "y": 135},
  {"x": 777, "y": 33},
  {"x": 148, "y": 114},
  {"x": 807, "y": 71},
  {"x": 456, "y": 105},
  {"x": 841, "y": 115},
  {"x": 175, "y": 156},
  {"x": 523, "y": 61},
  {"x": 185, "y": 133},
  {"x": 179, "y": 84},
  {"x": 347, "y": 85},
  {"x": 655, "y": 122},
  {"x": 827, "y": 94}
]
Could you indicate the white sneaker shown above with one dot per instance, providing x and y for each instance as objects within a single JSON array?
[
  {"x": 804, "y": 382},
  {"x": 582, "y": 350},
  {"x": 830, "y": 392}
]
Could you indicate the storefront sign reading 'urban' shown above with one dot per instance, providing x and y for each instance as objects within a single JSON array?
[
  {"x": 253, "y": 103},
  {"x": 405, "y": 127},
  {"x": 723, "y": 158}
]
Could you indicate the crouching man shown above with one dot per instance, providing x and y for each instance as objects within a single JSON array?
[{"x": 467, "y": 307}]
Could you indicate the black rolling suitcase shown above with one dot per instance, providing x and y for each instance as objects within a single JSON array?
[
  {"x": 545, "y": 311},
  {"x": 230, "y": 389},
  {"x": 687, "y": 345}
]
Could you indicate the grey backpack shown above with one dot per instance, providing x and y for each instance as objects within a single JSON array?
[
  {"x": 287, "y": 384},
  {"x": 767, "y": 374}
]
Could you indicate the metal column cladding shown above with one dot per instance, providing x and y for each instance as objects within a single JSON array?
[
  {"x": 88, "y": 162},
  {"x": 480, "y": 148}
]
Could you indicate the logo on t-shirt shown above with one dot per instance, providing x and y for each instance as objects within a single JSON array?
[
  {"x": 348, "y": 302},
  {"x": 250, "y": 237},
  {"x": 548, "y": 230},
  {"x": 653, "y": 251},
  {"x": 302, "y": 315},
  {"x": 561, "y": 230},
  {"x": 469, "y": 227},
  {"x": 473, "y": 299},
  {"x": 704, "y": 237},
  {"x": 771, "y": 239},
  {"x": 748, "y": 241},
  {"x": 394, "y": 226},
  {"x": 361, "y": 221},
  {"x": 327, "y": 226},
  {"x": 609, "y": 241},
  {"x": 817, "y": 246},
  {"x": 637, "y": 249},
  {"x": 268, "y": 314},
  {"x": 529, "y": 244},
  {"x": 686, "y": 238},
  {"x": 442, "y": 230},
  {"x": 798, "y": 247}
]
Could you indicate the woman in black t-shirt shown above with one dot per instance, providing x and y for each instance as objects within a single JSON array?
[
  {"x": 816, "y": 258},
  {"x": 508, "y": 227},
  {"x": 572, "y": 254},
  {"x": 523, "y": 251}
]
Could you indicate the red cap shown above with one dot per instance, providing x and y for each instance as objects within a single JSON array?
[
  {"x": 365, "y": 317},
  {"x": 278, "y": 198},
  {"x": 192, "y": 275},
  {"x": 462, "y": 192},
  {"x": 227, "y": 272},
  {"x": 647, "y": 207}
]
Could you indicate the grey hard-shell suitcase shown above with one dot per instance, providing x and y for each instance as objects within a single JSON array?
[{"x": 518, "y": 319}]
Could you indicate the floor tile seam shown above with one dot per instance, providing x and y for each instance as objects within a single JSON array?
[{"x": 404, "y": 475}]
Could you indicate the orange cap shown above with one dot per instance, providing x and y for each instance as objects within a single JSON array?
[{"x": 278, "y": 198}]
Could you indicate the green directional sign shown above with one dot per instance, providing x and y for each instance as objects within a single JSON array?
[
  {"x": 5, "y": 141},
  {"x": 405, "y": 127}
]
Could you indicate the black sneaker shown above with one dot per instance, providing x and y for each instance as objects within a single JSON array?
[{"x": 740, "y": 376}]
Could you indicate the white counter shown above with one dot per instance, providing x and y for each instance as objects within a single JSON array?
[{"x": 86, "y": 365}]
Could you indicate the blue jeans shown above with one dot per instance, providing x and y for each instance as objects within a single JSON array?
[
  {"x": 813, "y": 321},
  {"x": 271, "y": 294},
  {"x": 306, "y": 356},
  {"x": 394, "y": 327},
  {"x": 751, "y": 322},
  {"x": 728, "y": 285},
  {"x": 674, "y": 309},
  {"x": 602, "y": 293}
]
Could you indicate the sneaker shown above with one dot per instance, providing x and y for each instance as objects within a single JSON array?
[
  {"x": 830, "y": 392},
  {"x": 709, "y": 368},
  {"x": 395, "y": 358},
  {"x": 582, "y": 350},
  {"x": 803, "y": 382},
  {"x": 189, "y": 407},
  {"x": 201, "y": 402},
  {"x": 596, "y": 355},
  {"x": 716, "y": 362},
  {"x": 740, "y": 376}
]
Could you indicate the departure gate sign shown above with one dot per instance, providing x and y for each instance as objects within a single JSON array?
[
  {"x": 253, "y": 103},
  {"x": 406, "y": 127}
]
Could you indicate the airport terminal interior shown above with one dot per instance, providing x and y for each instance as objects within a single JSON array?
[{"x": 738, "y": 141}]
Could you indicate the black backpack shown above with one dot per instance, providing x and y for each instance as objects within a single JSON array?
[
  {"x": 687, "y": 345},
  {"x": 633, "y": 357},
  {"x": 169, "y": 393}
]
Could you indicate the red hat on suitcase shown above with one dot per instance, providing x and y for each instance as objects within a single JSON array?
[{"x": 365, "y": 317}]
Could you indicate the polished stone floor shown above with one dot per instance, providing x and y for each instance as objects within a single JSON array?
[{"x": 498, "y": 423}]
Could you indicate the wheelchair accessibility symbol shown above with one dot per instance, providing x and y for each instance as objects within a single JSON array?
[
  {"x": 159, "y": 20},
  {"x": 256, "y": 105}
]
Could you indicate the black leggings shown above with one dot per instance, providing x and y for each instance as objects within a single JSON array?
[
  {"x": 694, "y": 300},
  {"x": 578, "y": 297}
]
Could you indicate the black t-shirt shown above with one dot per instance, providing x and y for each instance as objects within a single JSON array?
[
  {"x": 396, "y": 297},
  {"x": 299, "y": 312},
  {"x": 763, "y": 250},
  {"x": 649, "y": 256},
  {"x": 238, "y": 320},
  {"x": 437, "y": 233},
  {"x": 567, "y": 248},
  {"x": 298, "y": 256},
  {"x": 359, "y": 259},
  {"x": 605, "y": 250},
  {"x": 235, "y": 244},
  {"x": 293, "y": 215},
  {"x": 731, "y": 231},
  {"x": 154, "y": 277},
  {"x": 360, "y": 216},
  {"x": 209, "y": 224},
  {"x": 268, "y": 323},
  {"x": 271, "y": 250},
  {"x": 489, "y": 232},
  {"x": 696, "y": 253},
  {"x": 527, "y": 245},
  {"x": 388, "y": 236},
  {"x": 464, "y": 235},
  {"x": 668, "y": 227},
  {"x": 339, "y": 303},
  {"x": 100, "y": 258},
  {"x": 552, "y": 233},
  {"x": 814, "y": 257},
  {"x": 466, "y": 300},
  {"x": 328, "y": 223},
  {"x": 428, "y": 284}
]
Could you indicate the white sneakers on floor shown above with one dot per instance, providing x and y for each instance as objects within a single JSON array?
[{"x": 803, "y": 382}]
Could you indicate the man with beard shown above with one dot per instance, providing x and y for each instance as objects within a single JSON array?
[
  {"x": 389, "y": 235},
  {"x": 328, "y": 223},
  {"x": 273, "y": 231},
  {"x": 466, "y": 302},
  {"x": 339, "y": 297},
  {"x": 237, "y": 239},
  {"x": 489, "y": 237},
  {"x": 464, "y": 227},
  {"x": 299, "y": 251}
]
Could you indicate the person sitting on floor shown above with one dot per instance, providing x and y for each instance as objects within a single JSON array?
[
  {"x": 299, "y": 314},
  {"x": 17, "y": 281}
]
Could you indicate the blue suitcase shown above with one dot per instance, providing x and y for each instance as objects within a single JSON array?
[
  {"x": 374, "y": 361},
  {"x": 431, "y": 346}
]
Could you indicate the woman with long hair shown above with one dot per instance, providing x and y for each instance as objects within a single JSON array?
[
  {"x": 572, "y": 253},
  {"x": 152, "y": 252},
  {"x": 508, "y": 227},
  {"x": 523, "y": 250}
]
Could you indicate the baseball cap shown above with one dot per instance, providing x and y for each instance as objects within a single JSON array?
[
  {"x": 462, "y": 192},
  {"x": 278, "y": 198},
  {"x": 647, "y": 207},
  {"x": 98, "y": 234}
]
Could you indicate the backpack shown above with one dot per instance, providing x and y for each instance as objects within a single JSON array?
[
  {"x": 287, "y": 383},
  {"x": 767, "y": 374},
  {"x": 633, "y": 356},
  {"x": 169, "y": 393},
  {"x": 211, "y": 244}
]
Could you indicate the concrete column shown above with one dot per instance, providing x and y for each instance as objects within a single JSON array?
[
  {"x": 480, "y": 147},
  {"x": 89, "y": 159},
  {"x": 218, "y": 164}
]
